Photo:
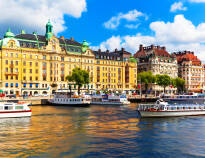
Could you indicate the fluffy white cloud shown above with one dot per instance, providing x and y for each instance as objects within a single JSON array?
[
  {"x": 32, "y": 15},
  {"x": 178, "y": 35},
  {"x": 131, "y": 16},
  {"x": 177, "y": 6}
]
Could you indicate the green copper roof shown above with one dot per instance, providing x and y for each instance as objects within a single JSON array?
[
  {"x": 85, "y": 44},
  {"x": 9, "y": 34},
  {"x": 133, "y": 60},
  {"x": 48, "y": 23}
]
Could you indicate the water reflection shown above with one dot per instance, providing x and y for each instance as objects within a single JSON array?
[{"x": 99, "y": 131}]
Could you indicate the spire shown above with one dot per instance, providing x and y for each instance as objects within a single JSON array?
[
  {"x": 8, "y": 34},
  {"x": 49, "y": 30}
]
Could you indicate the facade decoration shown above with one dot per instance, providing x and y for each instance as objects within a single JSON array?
[
  {"x": 191, "y": 70},
  {"x": 157, "y": 60}
]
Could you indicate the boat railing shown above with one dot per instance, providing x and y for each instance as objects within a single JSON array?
[{"x": 155, "y": 107}]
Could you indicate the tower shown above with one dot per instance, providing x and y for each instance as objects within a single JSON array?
[{"x": 49, "y": 30}]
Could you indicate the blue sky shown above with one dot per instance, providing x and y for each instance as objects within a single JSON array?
[{"x": 109, "y": 24}]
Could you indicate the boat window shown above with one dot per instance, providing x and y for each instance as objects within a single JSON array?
[
  {"x": 19, "y": 107},
  {"x": 6, "y": 108}
]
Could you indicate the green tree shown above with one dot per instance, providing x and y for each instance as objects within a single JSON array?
[
  {"x": 179, "y": 84},
  {"x": 80, "y": 77},
  {"x": 146, "y": 78},
  {"x": 163, "y": 80}
]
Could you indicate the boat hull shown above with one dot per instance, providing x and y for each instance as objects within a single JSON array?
[
  {"x": 70, "y": 104},
  {"x": 15, "y": 114},
  {"x": 109, "y": 103},
  {"x": 170, "y": 113}
]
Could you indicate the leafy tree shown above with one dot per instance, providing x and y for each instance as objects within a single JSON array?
[
  {"x": 147, "y": 78},
  {"x": 179, "y": 83},
  {"x": 80, "y": 77},
  {"x": 163, "y": 80}
]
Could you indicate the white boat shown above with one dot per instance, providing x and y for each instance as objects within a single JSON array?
[
  {"x": 62, "y": 99},
  {"x": 165, "y": 110},
  {"x": 100, "y": 99},
  {"x": 8, "y": 110}
]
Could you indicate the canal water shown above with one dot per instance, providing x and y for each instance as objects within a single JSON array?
[{"x": 100, "y": 131}]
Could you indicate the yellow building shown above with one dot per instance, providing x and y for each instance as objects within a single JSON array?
[
  {"x": 38, "y": 64},
  {"x": 115, "y": 71}
]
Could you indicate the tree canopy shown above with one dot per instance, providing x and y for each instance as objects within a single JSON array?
[
  {"x": 80, "y": 77},
  {"x": 147, "y": 78},
  {"x": 179, "y": 83},
  {"x": 163, "y": 80}
]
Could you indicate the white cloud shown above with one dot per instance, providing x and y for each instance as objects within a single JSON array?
[
  {"x": 32, "y": 15},
  {"x": 178, "y": 35},
  {"x": 131, "y": 16},
  {"x": 132, "y": 26},
  {"x": 197, "y": 1},
  {"x": 177, "y": 6}
]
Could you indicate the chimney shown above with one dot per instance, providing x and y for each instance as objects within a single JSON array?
[
  {"x": 158, "y": 47},
  {"x": 61, "y": 37},
  {"x": 163, "y": 48},
  {"x": 123, "y": 49},
  {"x": 107, "y": 51},
  {"x": 116, "y": 50},
  {"x": 141, "y": 47},
  {"x": 72, "y": 39},
  {"x": 99, "y": 50},
  {"x": 152, "y": 46}
]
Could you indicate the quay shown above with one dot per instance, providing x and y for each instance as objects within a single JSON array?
[{"x": 31, "y": 100}]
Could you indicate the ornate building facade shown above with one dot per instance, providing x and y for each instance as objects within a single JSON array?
[
  {"x": 191, "y": 70},
  {"x": 157, "y": 60},
  {"x": 32, "y": 63},
  {"x": 115, "y": 70}
]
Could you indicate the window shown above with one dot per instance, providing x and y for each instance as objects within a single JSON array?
[
  {"x": 30, "y": 78},
  {"x": 24, "y": 63},
  {"x": 30, "y": 56},
  {"x": 16, "y": 55},
  {"x": 6, "y": 84},
  {"x": 12, "y": 84},
  {"x": 6, "y": 69},
  {"x": 16, "y": 62},
  {"x": 16, "y": 69},
  {"x": 24, "y": 70},
  {"x": 36, "y": 78},
  {"x": 36, "y": 63},
  {"x": 36, "y": 56},
  {"x": 30, "y": 70},
  {"x": 30, "y": 63},
  {"x": 24, "y": 78},
  {"x": 17, "y": 85},
  {"x": 12, "y": 54},
  {"x": 7, "y": 77},
  {"x": 17, "y": 78},
  {"x": 7, "y": 62},
  {"x": 24, "y": 56},
  {"x": 36, "y": 71},
  {"x": 11, "y": 77},
  {"x": 44, "y": 57}
]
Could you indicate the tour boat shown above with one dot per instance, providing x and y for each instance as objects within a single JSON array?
[
  {"x": 162, "y": 109},
  {"x": 14, "y": 110},
  {"x": 185, "y": 99},
  {"x": 63, "y": 99},
  {"x": 109, "y": 99}
]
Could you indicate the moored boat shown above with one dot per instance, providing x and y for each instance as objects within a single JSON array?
[
  {"x": 77, "y": 101},
  {"x": 8, "y": 110},
  {"x": 166, "y": 110},
  {"x": 105, "y": 99}
]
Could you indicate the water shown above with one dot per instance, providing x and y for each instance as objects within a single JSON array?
[{"x": 97, "y": 131}]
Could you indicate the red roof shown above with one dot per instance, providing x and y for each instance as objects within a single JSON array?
[
  {"x": 187, "y": 56},
  {"x": 157, "y": 50}
]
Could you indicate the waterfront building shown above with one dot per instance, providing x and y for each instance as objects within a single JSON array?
[
  {"x": 38, "y": 64},
  {"x": 191, "y": 70},
  {"x": 115, "y": 71},
  {"x": 157, "y": 60}
]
